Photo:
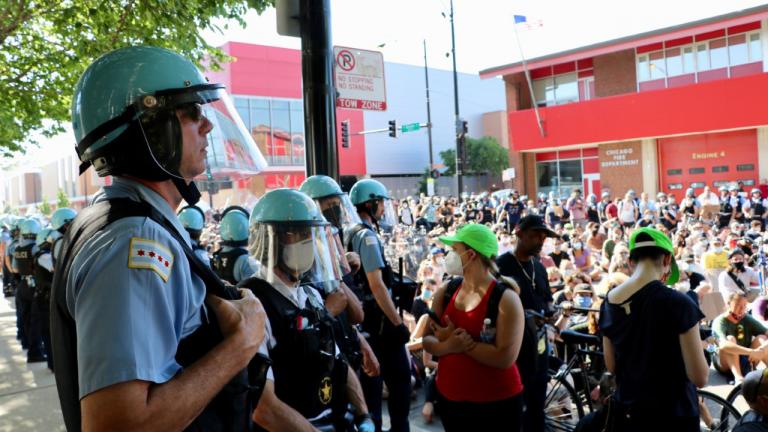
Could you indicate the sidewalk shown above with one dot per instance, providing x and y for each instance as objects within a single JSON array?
[{"x": 28, "y": 399}]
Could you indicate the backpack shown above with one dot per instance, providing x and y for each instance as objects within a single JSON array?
[{"x": 529, "y": 360}]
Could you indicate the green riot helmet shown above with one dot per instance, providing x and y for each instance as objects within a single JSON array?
[
  {"x": 332, "y": 201},
  {"x": 43, "y": 237},
  {"x": 193, "y": 220},
  {"x": 130, "y": 107},
  {"x": 61, "y": 218},
  {"x": 368, "y": 195},
  {"x": 29, "y": 228},
  {"x": 293, "y": 241},
  {"x": 233, "y": 227}
]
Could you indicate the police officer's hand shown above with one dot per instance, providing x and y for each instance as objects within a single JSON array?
[
  {"x": 243, "y": 319},
  {"x": 354, "y": 261},
  {"x": 336, "y": 302}
]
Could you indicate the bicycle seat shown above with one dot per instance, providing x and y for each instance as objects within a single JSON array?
[{"x": 572, "y": 337}]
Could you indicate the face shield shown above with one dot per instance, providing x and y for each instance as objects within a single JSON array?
[
  {"x": 388, "y": 219},
  {"x": 231, "y": 149},
  {"x": 296, "y": 254},
  {"x": 339, "y": 211}
]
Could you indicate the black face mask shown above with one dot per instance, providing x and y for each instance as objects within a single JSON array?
[
  {"x": 333, "y": 215},
  {"x": 739, "y": 266}
]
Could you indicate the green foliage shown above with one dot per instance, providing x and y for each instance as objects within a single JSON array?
[
  {"x": 422, "y": 183},
  {"x": 485, "y": 156},
  {"x": 46, "y": 46},
  {"x": 62, "y": 199},
  {"x": 44, "y": 207}
]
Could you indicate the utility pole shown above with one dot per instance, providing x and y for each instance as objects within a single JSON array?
[
  {"x": 319, "y": 92},
  {"x": 459, "y": 136},
  {"x": 429, "y": 111}
]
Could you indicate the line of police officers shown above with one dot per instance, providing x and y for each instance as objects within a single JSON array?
[
  {"x": 28, "y": 260},
  {"x": 146, "y": 333}
]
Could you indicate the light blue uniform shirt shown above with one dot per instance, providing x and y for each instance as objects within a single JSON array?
[
  {"x": 130, "y": 319},
  {"x": 202, "y": 254},
  {"x": 245, "y": 266},
  {"x": 366, "y": 243}
]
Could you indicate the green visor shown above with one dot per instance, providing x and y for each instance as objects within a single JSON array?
[
  {"x": 478, "y": 237},
  {"x": 659, "y": 240}
]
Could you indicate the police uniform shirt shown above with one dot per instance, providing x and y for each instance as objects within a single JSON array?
[
  {"x": 245, "y": 266},
  {"x": 46, "y": 261},
  {"x": 9, "y": 253},
  {"x": 18, "y": 244},
  {"x": 297, "y": 296},
  {"x": 133, "y": 296},
  {"x": 202, "y": 254},
  {"x": 367, "y": 245}
]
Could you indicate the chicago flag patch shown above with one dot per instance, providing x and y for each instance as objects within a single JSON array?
[{"x": 151, "y": 255}]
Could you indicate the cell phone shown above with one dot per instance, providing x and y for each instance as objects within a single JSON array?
[{"x": 434, "y": 317}]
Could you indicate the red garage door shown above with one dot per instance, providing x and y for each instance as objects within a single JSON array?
[{"x": 708, "y": 160}]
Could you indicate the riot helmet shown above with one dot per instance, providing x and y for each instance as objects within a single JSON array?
[
  {"x": 370, "y": 196},
  {"x": 61, "y": 218},
  {"x": 29, "y": 228},
  {"x": 234, "y": 226},
  {"x": 44, "y": 237},
  {"x": 193, "y": 220},
  {"x": 132, "y": 108},
  {"x": 335, "y": 205},
  {"x": 292, "y": 241}
]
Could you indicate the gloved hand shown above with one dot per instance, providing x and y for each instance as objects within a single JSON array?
[
  {"x": 402, "y": 334},
  {"x": 365, "y": 424}
]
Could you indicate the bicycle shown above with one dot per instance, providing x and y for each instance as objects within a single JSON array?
[{"x": 716, "y": 413}]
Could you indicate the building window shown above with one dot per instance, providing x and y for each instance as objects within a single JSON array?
[
  {"x": 718, "y": 53},
  {"x": 658, "y": 69},
  {"x": 695, "y": 170},
  {"x": 720, "y": 169},
  {"x": 277, "y": 127},
  {"x": 755, "y": 48},
  {"x": 747, "y": 182},
  {"x": 560, "y": 176},
  {"x": 674, "y": 172},
  {"x": 643, "y": 73},
  {"x": 738, "y": 52},
  {"x": 674, "y": 62},
  {"x": 689, "y": 60},
  {"x": 674, "y": 186},
  {"x": 702, "y": 57},
  {"x": 698, "y": 185},
  {"x": 556, "y": 90},
  {"x": 718, "y": 184},
  {"x": 745, "y": 167}
]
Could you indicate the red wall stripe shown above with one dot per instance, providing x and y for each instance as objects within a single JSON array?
[
  {"x": 563, "y": 68},
  {"x": 710, "y": 35},
  {"x": 589, "y": 152},
  {"x": 744, "y": 28},
  {"x": 586, "y": 73},
  {"x": 546, "y": 156},
  {"x": 570, "y": 154},
  {"x": 584, "y": 64},
  {"x": 541, "y": 72},
  {"x": 652, "y": 47},
  {"x": 678, "y": 42}
]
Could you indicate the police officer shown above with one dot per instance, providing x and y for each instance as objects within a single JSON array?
[
  {"x": 23, "y": 259},
  {"x": 344, "y": 303},
  {"x": 9, "y": 288},
  {"x": 387, "y": 332},
  {"x": 130, "y": 311},
  {"x": 310, "y": 381},
  {"x": 13, "y": 275},
  {"x": 60, "y": 220},
  {"x": 758, "y": 207},
  {"x": 232, "y": 262},
  {"x": 43, "y": 273},
  {"x": 193, "y": 220}
]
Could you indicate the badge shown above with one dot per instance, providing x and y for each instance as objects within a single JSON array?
[
  {"x": 326, "y": 391},
  {"x": 150, "y": 255}
]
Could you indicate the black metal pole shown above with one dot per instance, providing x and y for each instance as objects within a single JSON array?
[
  {"x": 459, "y": 134},
  {"x": 429, "y": 111},
  {"x": 319, "y": 92}
]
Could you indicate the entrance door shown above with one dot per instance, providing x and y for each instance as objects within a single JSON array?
[{"x": 592, "y": 184}]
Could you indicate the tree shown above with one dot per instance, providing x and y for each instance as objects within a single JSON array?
[
  {"x": 62, "y": 199},
  {"x": 47, "y": 45},
  {"x": 485, "y": 156},
  {"x": 422, "y": 183},
  {"x": 44, "y": 207}
]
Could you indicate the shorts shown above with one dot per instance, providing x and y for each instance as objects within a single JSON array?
[{"x": 746, "y": 367}]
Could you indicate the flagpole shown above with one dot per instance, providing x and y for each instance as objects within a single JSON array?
[{"x": 528, "y": 79}]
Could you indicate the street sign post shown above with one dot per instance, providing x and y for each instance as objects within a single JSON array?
[{"x": 359, "y": 77}]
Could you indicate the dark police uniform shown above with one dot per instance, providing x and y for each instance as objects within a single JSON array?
[
  {"x": 24, "y": 261},
  {"x": 43, "y": 272},
  {"x": 391, "y": 353},
  {"x": 232, "y": 264}
]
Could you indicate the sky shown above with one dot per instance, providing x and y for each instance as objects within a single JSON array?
[{"x": 484, "y": 32}]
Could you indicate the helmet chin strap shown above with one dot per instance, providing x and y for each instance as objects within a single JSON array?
[{"x": 188, "y": 191}]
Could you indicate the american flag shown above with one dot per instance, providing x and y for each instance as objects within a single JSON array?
[{"x": 523, "y": 22}]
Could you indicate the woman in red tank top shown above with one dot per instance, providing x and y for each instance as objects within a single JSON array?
[{"x": 477, "y": 378}]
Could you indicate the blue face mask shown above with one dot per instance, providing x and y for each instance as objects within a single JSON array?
[
  {"x": 582, "y": 302},
  {"x": 426, "y": 295}
]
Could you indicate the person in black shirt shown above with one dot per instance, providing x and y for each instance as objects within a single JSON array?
[
  {"x": 531, "y": 276},
  {"x": 560, "y": 253},
  {"x": 652, "y": 343}
]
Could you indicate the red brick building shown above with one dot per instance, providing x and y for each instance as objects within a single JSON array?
[{"x": 664, "y": 110}]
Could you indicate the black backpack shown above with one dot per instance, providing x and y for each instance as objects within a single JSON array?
[{"x": 529, "y": 361}]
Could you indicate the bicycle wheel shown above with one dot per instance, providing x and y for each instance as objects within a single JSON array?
[
  {"x": 736, "y": 399},
  {"x": 562, "y": 407},
  {"x": 717, "y": 415}
]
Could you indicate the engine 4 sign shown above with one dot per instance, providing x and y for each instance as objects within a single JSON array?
[{"x": 359, "y": 76}]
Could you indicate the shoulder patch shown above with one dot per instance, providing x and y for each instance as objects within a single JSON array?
[
  {"x": 371, "y": 241},
  {"x": 150, "y": 255}
]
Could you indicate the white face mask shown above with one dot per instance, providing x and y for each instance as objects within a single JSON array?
[
  {"x": 299, "y": 256},
  {"x": 453, "y": 265}
]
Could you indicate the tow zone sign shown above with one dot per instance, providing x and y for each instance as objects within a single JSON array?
[{"x": 359, "y": 76}]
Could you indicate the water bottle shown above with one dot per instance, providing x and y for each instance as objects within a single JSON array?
[{"x": 488, "y": 333}]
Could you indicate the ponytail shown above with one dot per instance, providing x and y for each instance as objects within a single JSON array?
[{"x": 490, "y": 263}]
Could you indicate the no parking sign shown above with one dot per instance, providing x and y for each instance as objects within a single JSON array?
[{"x": 359, "y": 77}]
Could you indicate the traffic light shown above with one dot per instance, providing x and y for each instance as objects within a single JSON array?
[
  {"x": 435, "y": 174},
  {"x": 464, "y": 127},
  {"x": 393, "y": 128},
  {"x": 345, "y": 134}
]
